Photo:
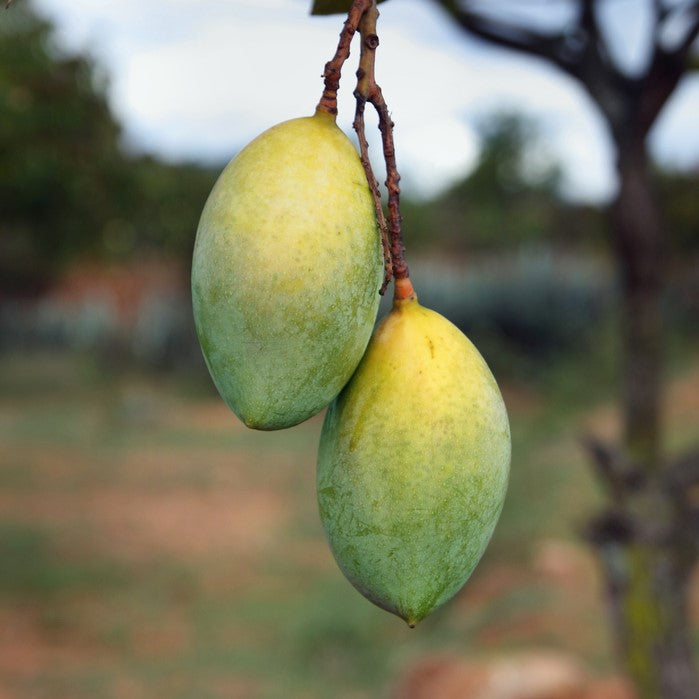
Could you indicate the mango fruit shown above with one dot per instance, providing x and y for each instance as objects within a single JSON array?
[
  {"x": 413, "y": 463},
  {"x": 286, "y": 271}
]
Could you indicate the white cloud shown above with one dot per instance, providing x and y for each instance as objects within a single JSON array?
[
  {"x": 452, "y": 148},
  {"x": 674, "y": 140},
  {"x": 627, "y": 26},
  {"x": 199, "y": 78}
]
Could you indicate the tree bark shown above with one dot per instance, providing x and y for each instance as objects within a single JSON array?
[
  {"x": 648, "y": 538},
  {"x": 643, "y": 538},
  {"x": 639, "y": 248}
]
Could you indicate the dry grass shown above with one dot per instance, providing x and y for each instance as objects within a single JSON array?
[{"x": 152, "y": 546}]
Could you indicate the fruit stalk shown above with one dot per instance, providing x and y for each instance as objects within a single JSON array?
[
  {"x": 369, "y": 91},
  {"x": 333, "y": 68},
  {"x": 366, "y": 67},
  {"x": 362, "y": 16}
]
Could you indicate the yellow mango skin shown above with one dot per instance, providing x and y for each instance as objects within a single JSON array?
[
  {"x": 286, "y": 271},
  {"x": 413, "y": 464}
]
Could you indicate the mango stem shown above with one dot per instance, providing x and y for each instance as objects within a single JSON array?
[
  {"x": 403, "y": 290},
  {"x": 362, "y": 16},
  {"x": 369, "y": 91},
  {"x": 333, "y": 68},
  {"x": 365, "y": 76}
]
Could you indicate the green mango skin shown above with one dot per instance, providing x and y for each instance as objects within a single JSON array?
[
  {"x": 286, "y": 271},
  {"x": 413, "y": 464}
]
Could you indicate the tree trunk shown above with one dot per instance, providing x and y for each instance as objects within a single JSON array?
[
  {"x": 648, "y": 538},
  {"x": 643, "y": 538},
  {"x": 639, "y": 248}
]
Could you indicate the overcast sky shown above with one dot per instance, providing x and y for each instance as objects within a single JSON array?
[{"x": 198, "y": 79}]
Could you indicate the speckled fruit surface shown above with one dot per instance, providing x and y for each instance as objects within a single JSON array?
[
  {"x": 286, "y": 271},
  {"x": 413, "y": 463}
]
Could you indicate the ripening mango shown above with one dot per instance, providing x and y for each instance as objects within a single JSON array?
[
  {"x": 413, "y": 463},
  {"x": 286, "y": 272}
]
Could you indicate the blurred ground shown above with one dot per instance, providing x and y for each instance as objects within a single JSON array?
[{"x": 151, "y": 546}]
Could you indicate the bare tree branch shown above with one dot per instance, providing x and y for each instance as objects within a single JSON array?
[
  {"x": 333, "y": 68},
  {"x": 369, "y": 91},
  {"x": 594, "y": 40},
  {"x": 689, "y": 11},
  {"x": 692, "y": 31},
  {"x": 580, "y": 52},
  {"x": 666, "y": 68},
  {"x": 588, "y": 17},
  {"x": 549, "y": 47},
  {"x": 661, "y": 11},
  {"x": 613, "y": 468}
]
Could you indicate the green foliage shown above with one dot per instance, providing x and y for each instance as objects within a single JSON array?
[
  {"x": 157, "y": 207},
  {"x": 332, "y": 7},
  {"x": 678, "y": 193},
  {"x": 511, "y": 198},
  {"x": 59, "y": 154},
  {"x": 67, "y": 188}
]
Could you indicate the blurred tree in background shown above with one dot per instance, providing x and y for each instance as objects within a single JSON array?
[
  {"x": 67, "y": 187},
  {"x": 646, "y": 537},
  {"x": 59, "y": 151},
  {"x": 514, "y": 197},
  {"x": 70, "y": 191}
]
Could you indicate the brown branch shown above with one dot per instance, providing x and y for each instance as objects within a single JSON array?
[
  {"x": 333, "y": 68},
  {"x": 656, "y": 86},
  {"x": 613, "y": 468},
  {"x": 363, "y": 15},
  {"x": 692, "y": 33},
  {"x": 369, "y": 91},
  {"x": 328, "y": 103},
  {"x": 365, "y": 79},
  {"x": 666, "y": 68},
  {"x": 594, "y": 44},
  {"x": 373, "y": 186},
  {"x": 579, "y": 51},
  {"x": 553, "y": 48},
  {"x": 400, "y": 267},
  {"x": 588, "y": 20},
  {"x": 680, "y": 52},
  {"x": 660, "y": 11},
  {"x": 682, "y": 482}
]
